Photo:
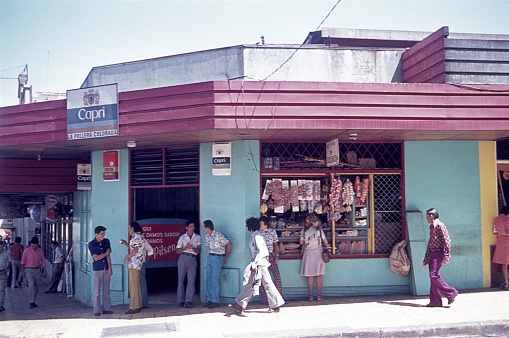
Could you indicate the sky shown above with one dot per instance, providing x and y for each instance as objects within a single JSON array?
[{"x": 62, "y": 40}]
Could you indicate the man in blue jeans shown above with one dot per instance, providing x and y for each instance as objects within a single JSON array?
[
  {"x": 100, "y": 249},
  {"x": 218, "y": 255}
]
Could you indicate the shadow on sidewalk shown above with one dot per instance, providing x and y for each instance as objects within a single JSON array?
[{"x": 402, "y": 304}]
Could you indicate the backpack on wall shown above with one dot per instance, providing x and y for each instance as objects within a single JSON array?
[{"x": 400, "y": 264}]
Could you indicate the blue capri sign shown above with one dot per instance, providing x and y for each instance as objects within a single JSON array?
[{"x": 92, "y": 112}]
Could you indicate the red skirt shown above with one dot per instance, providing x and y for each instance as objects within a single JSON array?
[{"x": 501, "y": 255}]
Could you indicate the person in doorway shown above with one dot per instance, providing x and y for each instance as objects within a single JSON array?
[
  {"x": 501, "y": 254},
  {"x": 134, "y": 260},
  {"x": 259, "y": 272},
  {"x": 188, "y": 247},
  {"x": 218, "y": 255},
  {"x": 5, "y": 265},
  {"x": 58, "y": 267},
  {"x": 31, "y": 263},
  {"x": 100, "y": 249},
  {"x": 16, "y": 254},
  {"x": 271, "y": 240},
  {"x": 148, "y": 251},
  {"x": 313, "y": 266},
  {"x": 437, "y": 253}
]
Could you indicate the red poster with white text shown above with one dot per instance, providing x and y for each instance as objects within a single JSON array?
[
  {"x": 163, "y": 238},
  {"x": 110, "y": 165}
]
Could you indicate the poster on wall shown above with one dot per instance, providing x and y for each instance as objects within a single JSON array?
[
  {"x": 221, "y": 159},
  {"x": 332, "y": 148},
  {"x": 163, "y": 238},
  {"x": 110, "y": 165}
]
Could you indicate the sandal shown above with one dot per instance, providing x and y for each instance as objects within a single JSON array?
[
  {"x": 504, "y": 286},
  {"x": 319, "y": 298},
  {"x": 310, "y": 298}
]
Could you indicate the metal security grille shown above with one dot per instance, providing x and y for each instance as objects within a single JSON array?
[
  {"x": 295, "y": 156},
  {"x": 388, "y": 211},
  {"x": 182, "y": 165},
  {"x": 385, "y": 155},
  {"x": 164, "y": 166},
  {"x": 292, "y": 153}
]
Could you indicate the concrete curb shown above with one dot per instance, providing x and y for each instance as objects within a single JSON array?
[{"x": 494, "y": 328}]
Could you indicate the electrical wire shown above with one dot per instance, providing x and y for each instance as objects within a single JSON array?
[
  {"x": 320, "y": 25},
  {"x": 291, "y": 56},
  {"x": 247, "y": 121},
  {"x": 4, "y": 70}
]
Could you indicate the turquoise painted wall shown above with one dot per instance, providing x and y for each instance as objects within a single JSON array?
[
  {"x": 445, "y": 175},
  {"x": 110, "y": 205},
  {"x": 345, "y": 277},
  {"x": 228, "y": 201}
]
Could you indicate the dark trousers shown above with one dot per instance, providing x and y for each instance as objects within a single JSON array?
[
  {"x": 58, "y": 268},
  {"x": 438, "y": 287}
]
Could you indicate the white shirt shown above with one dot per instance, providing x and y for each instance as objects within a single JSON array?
[
  {"x": 58, "y": 256},
  {"x": 259, "y": 250},
  {"x": 195, "y": 241}
]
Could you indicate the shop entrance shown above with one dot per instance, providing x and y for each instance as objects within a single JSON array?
[{"x": 162, "y": 213}]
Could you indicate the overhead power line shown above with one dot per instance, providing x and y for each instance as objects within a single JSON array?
[
  {"x": 295, "y": 51},
  {"x": 320, "y": 25},
  {"x": 4, "y": 70}
]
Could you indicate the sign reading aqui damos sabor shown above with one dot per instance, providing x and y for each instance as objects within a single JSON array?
[{"x": 92, "y": 112}]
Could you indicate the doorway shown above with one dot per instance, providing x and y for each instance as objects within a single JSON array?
[{"x": 162, "y": 213}]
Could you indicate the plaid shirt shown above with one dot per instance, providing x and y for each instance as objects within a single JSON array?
[
  {"x": 270, "y": 237},
  {"x": 438, "y": 239}
]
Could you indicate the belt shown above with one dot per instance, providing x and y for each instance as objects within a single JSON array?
[
  {"x": 213, "y": 254},
  {"x": 187, "y": 254},
  {"x": 436, "y": 250}
]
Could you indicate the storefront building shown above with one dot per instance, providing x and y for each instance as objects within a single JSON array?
[{"x": 365, "y": 131}]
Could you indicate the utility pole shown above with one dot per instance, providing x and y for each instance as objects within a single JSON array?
[{"x": 24, "y": 89}]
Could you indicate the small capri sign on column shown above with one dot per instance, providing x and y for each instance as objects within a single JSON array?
[{"x": 221, "y": 159}]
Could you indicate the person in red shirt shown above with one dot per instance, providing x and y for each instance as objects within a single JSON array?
[
  {"x": 16, "y": 253},
  {"x": 31, "y": 263},
  {"x": 438, "y": 252}
]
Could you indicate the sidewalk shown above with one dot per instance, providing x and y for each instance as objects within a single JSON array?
[{"x": 474, "y": 313}]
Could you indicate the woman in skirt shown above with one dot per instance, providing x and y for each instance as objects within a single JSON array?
[
  {"x": 313, "y": 267},
  {"x": 501, "y": 255}
]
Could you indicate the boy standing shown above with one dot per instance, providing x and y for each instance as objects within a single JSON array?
[{"x": 100, "y": 249}]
